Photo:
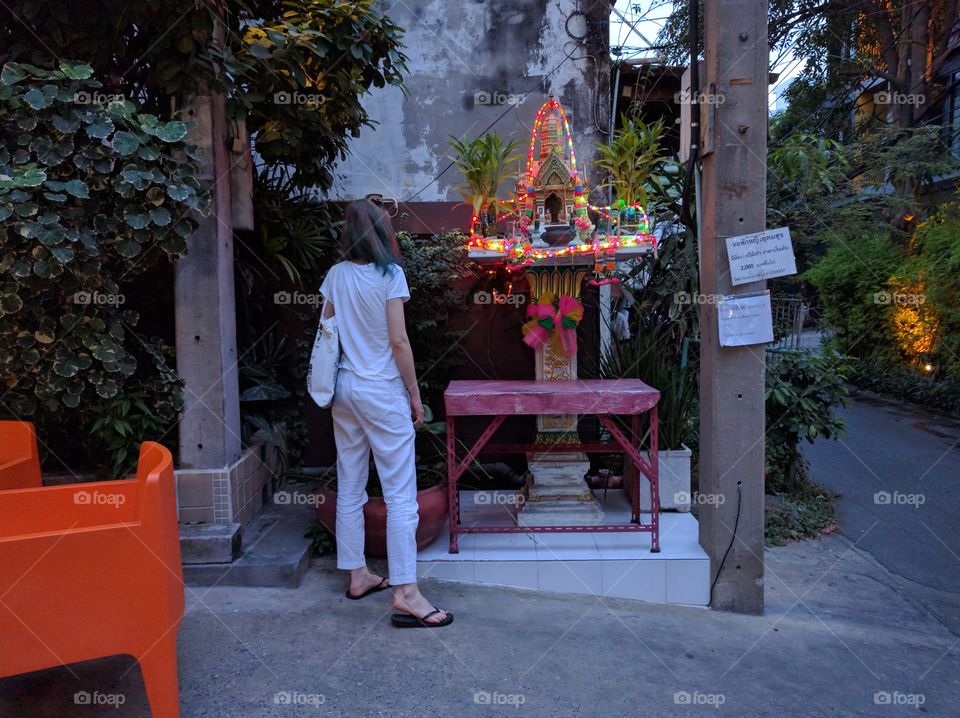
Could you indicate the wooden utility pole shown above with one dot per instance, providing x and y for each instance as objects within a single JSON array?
[{"x": 734, "y": 121}]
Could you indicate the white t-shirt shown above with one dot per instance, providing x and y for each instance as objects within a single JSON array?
[{"x": 359, "y": 293}]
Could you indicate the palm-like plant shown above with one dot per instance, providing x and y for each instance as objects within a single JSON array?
[
  {"x": 484, "y": 163},
  {"x": 632, "y": 159}
]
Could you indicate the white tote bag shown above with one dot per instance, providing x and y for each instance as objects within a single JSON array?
[{"x": 324, "y": 361}]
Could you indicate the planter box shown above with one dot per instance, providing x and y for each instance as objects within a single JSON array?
[{"x": 674, "y": 478}]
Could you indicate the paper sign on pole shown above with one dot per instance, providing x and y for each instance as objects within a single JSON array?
[
  {"x": 762, "y": 255},
  {"x": 745, "y": 320}
]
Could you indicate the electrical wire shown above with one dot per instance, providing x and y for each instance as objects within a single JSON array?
[
  {"x": 580, "y": 43},
  {"x": 733, "y": 537},
  {"x": 495, "y": 121}
]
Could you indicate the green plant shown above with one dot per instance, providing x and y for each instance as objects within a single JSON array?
[
  {"x": 272, "y": 376},
  {"x": 802, "y": 392},
  {"x": 322, "y": 542},
  {"x": 296, "y": 230},
  {"x": 936, "y": 264},
  {"x": 852, "y": 281},
  {"x": 632, "y": 160},
  {"x": 294, "y": 70},
  {"x": 437, "y": 270},
  {"x": 908, "y": 384},
  {"x": 805, "y": 512},
  {"x": 649, "y": 357},
  {"x": 90, "y": 195},
  {"x": 485, "y": 164}
]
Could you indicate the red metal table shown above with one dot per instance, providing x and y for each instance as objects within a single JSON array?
[{"x": 604, "y": 398}]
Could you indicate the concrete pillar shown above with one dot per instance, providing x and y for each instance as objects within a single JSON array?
[
  {"x": 205, "y": 307},
  {"x": 732, "y": 378}
]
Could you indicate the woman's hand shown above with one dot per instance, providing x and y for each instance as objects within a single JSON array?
[{"x": 416, "y": 408}]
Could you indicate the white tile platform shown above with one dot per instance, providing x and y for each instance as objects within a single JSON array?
[{"x": 618, "y": 565}]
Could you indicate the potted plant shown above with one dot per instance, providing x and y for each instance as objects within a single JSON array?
[
  {"x": 484, "y": 163},
  {"x": 648, "y": 357},
  {"x": 431, "y": 495},
  {"x": 631, "y": 160}
]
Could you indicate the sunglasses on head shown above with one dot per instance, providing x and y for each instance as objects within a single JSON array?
[{"x": 388, "y": 203}]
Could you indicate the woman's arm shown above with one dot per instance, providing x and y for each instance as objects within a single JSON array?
[{"x": 400, "y": 344}]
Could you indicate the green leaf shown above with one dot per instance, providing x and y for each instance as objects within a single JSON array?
[
  {"x": 160, "y": 216},
  {"x": 78, "y": 188},
  {"x": 137, "y": 220},
  {"x": 125, "y": 143},
  {"x": 101, "y": 127},
  {"x": 171, "y": 131},
  {"x": 66, "y": 125},
  {"x": 10, "y": 303},
  {"x": 178, "y": 192},
  {"x": 32, "y": 177},
  {"x": 66, "y": 367},
  {"x": 76, "y": 70},
  {"x": 128, "y": 248},
  {"x": 121, "y": 108},
  {"x": 12, "y": 73},
  {"x": 36, "y": 99},
  {"x": 63, "y": 254}
]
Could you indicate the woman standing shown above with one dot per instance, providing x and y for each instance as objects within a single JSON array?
[{"x": 376, "y": 394}]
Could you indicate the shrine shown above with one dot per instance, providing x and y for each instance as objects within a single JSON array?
[
  {"x": 557, "y": 247},
  {"x": 559, "y": 242}
]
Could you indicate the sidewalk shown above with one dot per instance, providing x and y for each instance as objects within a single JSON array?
[{"x": 837, "y": 639}]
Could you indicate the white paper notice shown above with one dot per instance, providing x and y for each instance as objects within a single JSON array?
[
  {"x": 745, "y": 320},
  {"x": 761, "y": 256}
]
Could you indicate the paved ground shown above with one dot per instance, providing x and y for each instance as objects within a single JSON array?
[
  {"x": 898, "y": 473},
  {"x": 837, "y": 639}
]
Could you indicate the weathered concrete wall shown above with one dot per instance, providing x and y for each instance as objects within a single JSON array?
[{"x": 470, "y": 61}]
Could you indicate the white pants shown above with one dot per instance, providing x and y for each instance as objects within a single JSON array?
[{"x": 375, "y": 415}]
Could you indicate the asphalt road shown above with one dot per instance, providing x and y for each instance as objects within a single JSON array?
[{"x": 898, "y": 473}]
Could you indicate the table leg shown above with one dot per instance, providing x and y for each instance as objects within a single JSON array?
[
  {"x": 649, "y": 468},
  {"x": 455, "y": 470},
  {"x": 453, "y": 496},
  {"x": 655, "y": 479},
  {"x": 634, "y": 471}
]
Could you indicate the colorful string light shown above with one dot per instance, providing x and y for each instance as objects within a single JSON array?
[{"x": 516, "y": 248}]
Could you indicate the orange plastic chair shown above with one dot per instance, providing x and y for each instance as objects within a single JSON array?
[
  {"x": 90, "y": 570},
  {"x": 19, "y": 462}
]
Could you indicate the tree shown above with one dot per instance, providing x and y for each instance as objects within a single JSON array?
[
  {"x": 294, "y": 69},
  {"x": 849, "y": 45}
]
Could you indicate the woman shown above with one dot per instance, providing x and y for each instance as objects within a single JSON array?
[{"x": 376, "y": 394}]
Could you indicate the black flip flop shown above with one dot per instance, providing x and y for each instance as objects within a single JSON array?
[
  {"x": 379, "y": 587},
  {"x": 406, "y": 620}
]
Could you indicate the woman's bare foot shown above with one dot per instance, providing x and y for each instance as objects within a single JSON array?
[
  {"x": 361, "y": 580},
  {"x": 408, "y": 599}
]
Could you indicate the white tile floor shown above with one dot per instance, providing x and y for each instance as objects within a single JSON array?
[{"x": 611, "y": 564}]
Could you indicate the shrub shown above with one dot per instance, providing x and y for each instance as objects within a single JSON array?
[
  {"x": 88, "y": 194},
  {"x": 802, "y": 391},
  {"x": 853, "y": 281},
  {"x": 907, "y": 384},
  {"x": 435, "y": 270},
  {"x": 937, "y": 263}
]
